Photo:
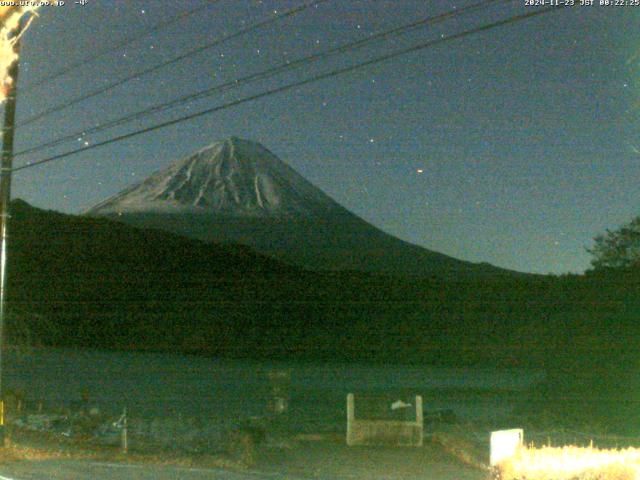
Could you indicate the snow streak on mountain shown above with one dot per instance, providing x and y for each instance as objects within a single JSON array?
[{"x": 233, "y": 177}]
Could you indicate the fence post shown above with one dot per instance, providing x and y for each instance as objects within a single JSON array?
[
  {"x": 280, "y": 386},
  {"x": 420, "y": 419},
  {"x": 351, "y": 415},
  {"x": 3, "y": 439},
  {"x": 419, "y": 414},
  {"x": 125, "y": 440}
]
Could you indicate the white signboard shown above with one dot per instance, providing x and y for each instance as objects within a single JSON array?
[{"x": 505, "y": 444}]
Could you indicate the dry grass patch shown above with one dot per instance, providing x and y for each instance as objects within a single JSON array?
[
  {"x": 12, "y": 452},
  {"x": 30, "y": 446}
]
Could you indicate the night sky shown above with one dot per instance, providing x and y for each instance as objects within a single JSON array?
[{"x": 514, "y": 146}]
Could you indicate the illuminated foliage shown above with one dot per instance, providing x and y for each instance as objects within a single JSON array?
[
  {"x": 10, "y": 17},
  {"x": 571, "y": 463}
]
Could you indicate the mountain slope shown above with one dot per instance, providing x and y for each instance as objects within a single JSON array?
[{"x": 237, "y": 191}]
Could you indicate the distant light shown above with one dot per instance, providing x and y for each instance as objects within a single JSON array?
[{"x": 419, "y": 170}]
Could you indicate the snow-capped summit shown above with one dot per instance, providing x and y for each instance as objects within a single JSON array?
[{"x": 233, "y": 177}]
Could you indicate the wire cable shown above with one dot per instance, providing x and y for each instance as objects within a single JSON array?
[
  {"x": 146, "y": 71},
  {"x": 290, "y": 86},
  {"x": 123, "y": 43},
  {"x": 265, "y": 74}
]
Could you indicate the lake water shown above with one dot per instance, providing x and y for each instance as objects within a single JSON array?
[{"x": 152, "y": 385}]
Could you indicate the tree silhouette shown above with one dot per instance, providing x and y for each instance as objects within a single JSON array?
[{"x": 617, "y": 248}]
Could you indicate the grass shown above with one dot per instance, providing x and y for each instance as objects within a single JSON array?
[{"x": 462, "y": 448}]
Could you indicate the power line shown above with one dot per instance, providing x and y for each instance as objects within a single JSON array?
[
  {"x": 290, "y": 86},
  {"x": 265, "y": 74},
  {"x": 124, "y": 42},
  {"x": 190, "y": 53}
]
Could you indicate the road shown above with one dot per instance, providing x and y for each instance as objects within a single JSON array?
[
  {"x": 87, "y": 470},
  {"x": 90, "y": 470}
]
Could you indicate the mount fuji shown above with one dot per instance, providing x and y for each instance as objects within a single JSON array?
[{"x": 237, "y": 191}]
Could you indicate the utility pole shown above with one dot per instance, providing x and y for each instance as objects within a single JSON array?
[{"x": 6, "y": 165}]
